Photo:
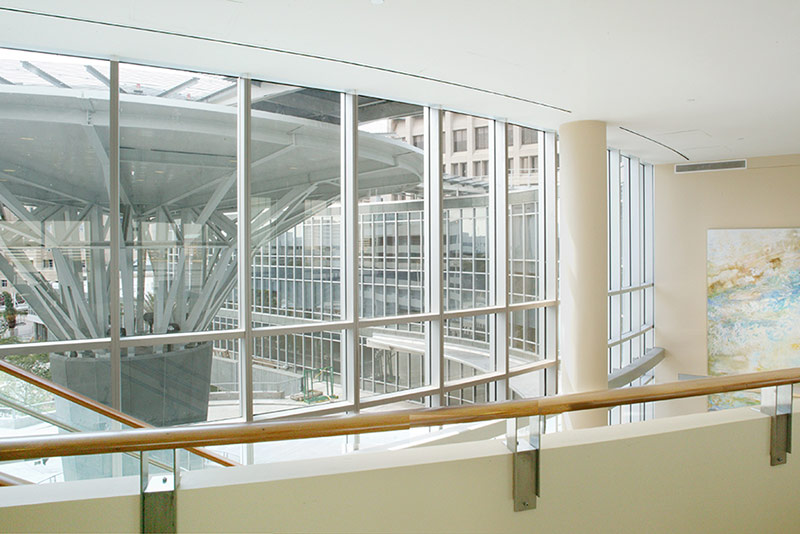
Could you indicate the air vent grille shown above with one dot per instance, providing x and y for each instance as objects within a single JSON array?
[{"x": 711, "y": 166}]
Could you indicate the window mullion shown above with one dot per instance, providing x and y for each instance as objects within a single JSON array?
[
  {"x": 351, "y": 363},
  {"x": 244, "y": 268},
  {"x": 114, "y": 239},
  {"x": 433, "y": 214},
  {"x": 498, "y": 260}
]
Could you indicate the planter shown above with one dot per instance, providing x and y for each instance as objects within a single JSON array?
[{"x": 161, "y": 388}]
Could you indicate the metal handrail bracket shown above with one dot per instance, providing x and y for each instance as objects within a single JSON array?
[
  {"x": 523, "y": 439},
  {"x": 777, "y": 403},
  {"x": 158, "y": 497}
]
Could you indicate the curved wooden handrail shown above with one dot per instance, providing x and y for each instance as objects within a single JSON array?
[
  {"x": 11, "y": 480},
  {"x": 97, "y": 407},
  {"x": 226, "y": 434}
]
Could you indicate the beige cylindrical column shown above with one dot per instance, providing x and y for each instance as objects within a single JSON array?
[{"x": 584, "y": 264}]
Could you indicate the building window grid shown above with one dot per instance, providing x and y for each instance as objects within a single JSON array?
[
  {"x": 465, "y": 283},
  {"x": 391, "y": 264},
  {"x": 295, "y": 270}
]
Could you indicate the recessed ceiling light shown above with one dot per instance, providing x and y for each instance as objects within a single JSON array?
[
  {"x": 159, "y": 172},
  {"x": 9, "y": 170},
  {"x": 292, "y": 168},
  {"x": 26, "y": 138}
]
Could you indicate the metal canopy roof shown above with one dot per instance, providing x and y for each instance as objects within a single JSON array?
[{"x": 174, "y": 153}]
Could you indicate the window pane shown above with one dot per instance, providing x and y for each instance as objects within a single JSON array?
[
  {"x": 527, "y": 386},
  {"x": 54, "y": 227},
  {"x": 297, "y": 370},
  {"x": 465, "y": 223},
  {"x": 295, "y": 204},
  {"x": 469, "y": 395},
  {"x": 177, "y": 199},
  {"x": 392, "y": 358},
  {"x": 390, "y": 208},
  {"x": 526, "y": 338},
  {"x": 467, "y": 347},
  {"x": 524, "y": 226}
]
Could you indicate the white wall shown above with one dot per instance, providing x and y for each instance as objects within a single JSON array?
[
  {"x": 699, "y": 473},
  {"x": 766, "y": 194}
]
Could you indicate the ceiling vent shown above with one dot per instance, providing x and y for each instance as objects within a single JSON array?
[{"x": 681, "y": 168}]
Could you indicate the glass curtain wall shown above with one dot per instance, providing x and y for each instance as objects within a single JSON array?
[
  {"x": 395, "y": 254},
  {"x": 630, "y": 301}
]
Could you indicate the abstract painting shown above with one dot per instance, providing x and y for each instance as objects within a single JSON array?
[{"x": 753, "y": 290}]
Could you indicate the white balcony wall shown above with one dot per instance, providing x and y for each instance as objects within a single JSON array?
[{"x": 705, "y": 472}]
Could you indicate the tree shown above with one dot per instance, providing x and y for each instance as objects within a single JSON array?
[
  {"x": 11, "y": 312},
  {"x": 38, "y": 364}
]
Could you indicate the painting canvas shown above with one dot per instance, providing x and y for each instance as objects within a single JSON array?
[{"x": 753, "y": 290}]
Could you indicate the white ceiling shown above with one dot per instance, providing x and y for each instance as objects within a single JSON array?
[{"x": 713, "y": 79}]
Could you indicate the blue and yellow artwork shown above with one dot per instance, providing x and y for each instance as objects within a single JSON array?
[{"x": 753, "y": 290}]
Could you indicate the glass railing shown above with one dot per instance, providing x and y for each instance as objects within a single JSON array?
[{"x": 29, "y": 410}]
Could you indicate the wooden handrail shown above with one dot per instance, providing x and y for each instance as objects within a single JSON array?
[
  {"x": 93, "y": 405},
  {"x": 226, "y": 434},
  {"x": 11, "y": 480}
]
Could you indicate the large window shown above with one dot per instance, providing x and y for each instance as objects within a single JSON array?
[
  {"x": 630, "y": 301},
  {"x": 215, "y": 247}
]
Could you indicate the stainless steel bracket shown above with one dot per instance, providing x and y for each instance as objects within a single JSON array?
[
  {"x": 158, "y": 497},
  {"x": 523, "y": 439},
  {"x": 777, "y": 403}
]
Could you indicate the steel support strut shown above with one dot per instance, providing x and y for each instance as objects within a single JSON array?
[
  {"x": 777, "y": 403},
  {"x": 523, "y": 439},
  {"x": 158, "y": 496}
]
